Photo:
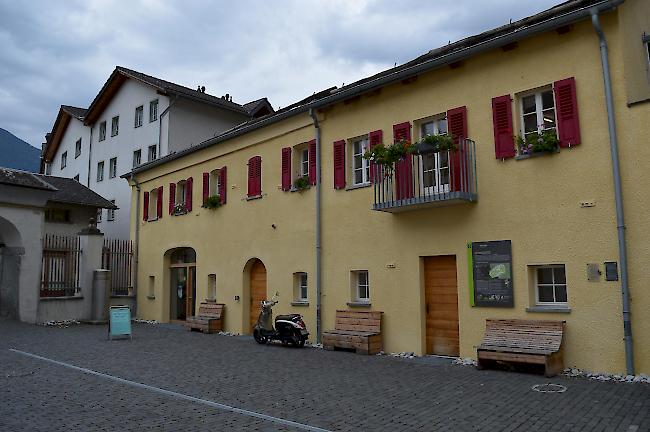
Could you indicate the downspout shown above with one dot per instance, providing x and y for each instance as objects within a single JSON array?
[
  {"x": 90, "y": 153},
  {"x": 314, "y": 117},
  {"x": 136, "y": 243},
  {"x": 618, "y": 193}
]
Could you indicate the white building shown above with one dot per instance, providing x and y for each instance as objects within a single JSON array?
[{"x": 134, "y": 119}]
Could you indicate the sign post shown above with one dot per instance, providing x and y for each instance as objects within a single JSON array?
[{"x": 119, "y": 322}]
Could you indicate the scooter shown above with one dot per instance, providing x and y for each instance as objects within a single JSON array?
[{"x": 288, "y": 328}]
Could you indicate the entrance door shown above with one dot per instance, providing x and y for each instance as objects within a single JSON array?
[
  {"x": 441, "y": 301},
  {"x": 258, "y": 291},
  {"x": 183, "y": 287}
]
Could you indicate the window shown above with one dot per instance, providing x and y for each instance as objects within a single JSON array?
[
  {"x": 115, "y": 126},
  {"x": 76, "y": 177},
  {"x": 137, "y": 157},
  {"x": 139, "y": 112},
  {"x": 304, "y": 162},
  {"x": 180, "y": 193},
  {"x": 647, "y": 47},
  {"x": 300, "y": 287},
  {"x": 434, "y": 166},
  {"x": 57, "y": 215},
  {"x": 102, "y": 131},
  {"x": 212, "y": 286},
  {"x": 361, "y": 286},
  {"x": 112, "y": 168},
  {"x": 550, "y": 285},
  {"x": 99, "y": 215},
  {"x": 360, "y": 166},
  {"x": 48, "y": 168},
  {"x": 537, "y": 113},
  {"x": 100, "y": 171},
  {"x": 77, "y": 148},
  {"x": 153, "y": 110},
  {"x": 110, "y": 213},
  {"x": 153, "y": 205},
  {"x": 153, "y": 153},
  {"x": 64, "y": 159},
  {"x": 214, "y": 183}
]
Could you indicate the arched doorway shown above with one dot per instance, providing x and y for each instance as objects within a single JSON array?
[
  {"x": 257, "y": 291},
  {"x": 182, "y": 278},
  {"x": 10, "y": 260}
]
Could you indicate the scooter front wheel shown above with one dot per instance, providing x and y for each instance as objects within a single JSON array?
[{"x": 259, "y": 338}]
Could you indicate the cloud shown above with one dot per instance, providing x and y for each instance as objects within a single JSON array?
[{"x": 58, "y": 53}]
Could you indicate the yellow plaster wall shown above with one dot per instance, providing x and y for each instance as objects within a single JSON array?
[{"x": 533, "y": 202}]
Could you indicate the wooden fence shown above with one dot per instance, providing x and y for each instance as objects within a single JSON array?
[
  {"x": 117, "y": 256},
  {"x": 60, "y": 267}
]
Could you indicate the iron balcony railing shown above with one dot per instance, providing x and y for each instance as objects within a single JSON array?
[{"x": 427, "y": 179}]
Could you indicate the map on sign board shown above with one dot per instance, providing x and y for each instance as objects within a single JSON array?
[{"x": 492, "y": 273}]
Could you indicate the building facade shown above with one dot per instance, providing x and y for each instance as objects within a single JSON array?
[
  {"x": 529, "y": 179},
  {"x": 134, "y": 119}
]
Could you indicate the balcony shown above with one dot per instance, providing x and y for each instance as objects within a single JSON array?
[{"x": 427, "y": 179}]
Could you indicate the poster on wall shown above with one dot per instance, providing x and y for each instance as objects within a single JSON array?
[{"x": 491, "y": 267}]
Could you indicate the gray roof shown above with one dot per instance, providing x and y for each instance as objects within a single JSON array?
[
  {"x": 254, "y": 106},
  {"x": 76, "y": 112},
  {"x": 63, "y": 190}
]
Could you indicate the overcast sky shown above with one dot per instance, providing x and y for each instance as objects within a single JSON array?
[{"x": 61, "y": 52}]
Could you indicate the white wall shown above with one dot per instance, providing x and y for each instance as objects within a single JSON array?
[
  {"x": 74, "y": 166},
  {"x": 131, "y": 95}
]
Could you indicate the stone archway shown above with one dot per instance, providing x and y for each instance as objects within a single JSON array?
[{"x": 11, "y": 250}]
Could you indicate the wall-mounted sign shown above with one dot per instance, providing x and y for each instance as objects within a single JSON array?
[
  {"x": 119, "y": 322},
  {"x": 491, "y": 273}
]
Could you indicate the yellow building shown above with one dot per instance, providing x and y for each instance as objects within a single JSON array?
[{"x": 449, "y": 239}]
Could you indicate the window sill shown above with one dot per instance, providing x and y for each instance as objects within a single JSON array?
[
  {"x": 79, "y": 297},
  {"x": 359, "y": 304},
  {"x": 180, "y": 213},
  {"x": 549, "y": 309},
  {"x": 358, "y": 186},
  {"x": 295, "y": 189},
  {"x": 534, "y": 155},
  {"x": 254, "y": 197},
  {"x": 123, "y": 296},
  {"x": 299, "y": 303},
  {"x": 150, "y": 297},
  {"x": 152, "y": 220}
]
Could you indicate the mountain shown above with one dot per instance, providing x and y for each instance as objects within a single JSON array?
[{"x": 16, "y": 153}]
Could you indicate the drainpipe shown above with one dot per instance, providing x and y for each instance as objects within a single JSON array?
[
  {"x": 618, "y": 193},
  {"x": 136, "y": 243},
  {"x": 314, "y": 117}
]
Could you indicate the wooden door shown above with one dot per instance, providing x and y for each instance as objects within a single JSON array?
[
  {"x": 258, "y": 291},
  {"x": 441, "y": 301},
  {"x": 190, "y": 291}
]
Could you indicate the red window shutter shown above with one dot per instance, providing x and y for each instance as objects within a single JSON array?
[
  {"x": 374, "y": 138},
  {"x": 159, "y": 203},
  {"x": 255, "y": 176},
  {"x": 223, "y": 184},
  {"x": 457, "y": 128},
  {"x": 403, "y": 168},
  {"x": 504, "y": 140},
  {"x": 206, "y": 186},
  {"x": 286, "y": 168},
  {"x": 188, "y": 194},
  {"x": 339, "y": 164},
  {"x": 312, "y": 162},
  {"x": 568, "y": 124},
  {"x": 145, "y": 207},
  {"x": 172, "y": 197}
]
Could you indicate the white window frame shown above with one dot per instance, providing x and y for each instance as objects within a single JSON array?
[
  {"x": 539, "y": 110},
  {"x": 214, "y": 182},
  {"x": 48, "y": 168},
  {"x": 553, "y": 284},
  {"x": 439, "y": 187},
  {"x": 301, "y": 287},
  {"x": 64, "y": 159},
  {"x": 137, "y": 158},
  {"x": 112, "y": 168},
  {"x": 100, "y": 171},
  {"x": 77, "y": 148},
  {"x": 181, "y": 187},
  {"x": 110, "y": 213},
  {"x": 359, "y": 296},
  {"x": 304, "y": 162},
  {"x": 153, "y": 205},
  {"x": 646, "y": 44},
  {"x": 365, "y": 163},
  {"x": 152, "y": 150},
  {"x": 153, "y": 110},
  {"x": 115, "y": 126},
  {"x": 102, "y": 131},
  {"x": 139, "y": 114},
  {"x": 98, "y": 218}
]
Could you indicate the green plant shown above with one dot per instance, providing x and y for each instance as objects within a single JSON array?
[
  {"x": 387, "y": 156},
  {"x": 439, "y": 143},
  {"x": 213, "y": 202},
  {"x": 301, "y": 183},
  {"x": 546, "y": 142},
  {"x": 180, "y": 209}
]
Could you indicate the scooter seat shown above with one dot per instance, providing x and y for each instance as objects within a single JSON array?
[{"x": 288, "y": 317}]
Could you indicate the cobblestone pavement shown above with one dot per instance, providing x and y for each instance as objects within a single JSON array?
[{"x": 336, "y": 391}]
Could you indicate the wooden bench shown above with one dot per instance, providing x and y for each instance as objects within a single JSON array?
[
  {"x": 209, "y": 319},
  {"x": 523, "y": 341},
  {"x": 357, "y": 330}
]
